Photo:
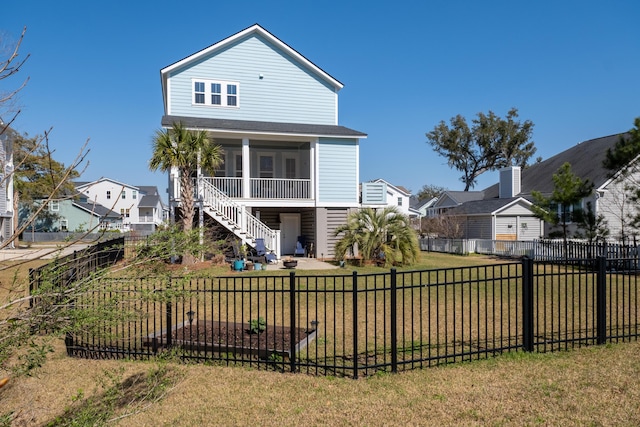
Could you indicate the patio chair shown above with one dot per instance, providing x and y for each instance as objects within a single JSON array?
[
  {"x": 301, "y": 246},
  {"x": 259, "y": 252}
]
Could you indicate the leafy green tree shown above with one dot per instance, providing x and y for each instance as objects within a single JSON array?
[
  {"x": 557, "y": 209},
  {"x": 379, "y": 234},
  {"x": 490, "y": 143},
  {"x": 185, "y": 150}
]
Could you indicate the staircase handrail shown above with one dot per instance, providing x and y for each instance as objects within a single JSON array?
[{"x": 237, "y": 215}]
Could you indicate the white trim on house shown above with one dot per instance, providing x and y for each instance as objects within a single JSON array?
[{"x": 207, "y": 93}]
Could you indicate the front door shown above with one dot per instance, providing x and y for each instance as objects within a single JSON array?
[{"x": 289, "y": 232}]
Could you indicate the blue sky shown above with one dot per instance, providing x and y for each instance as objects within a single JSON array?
[{"x": 571, "y": 67}]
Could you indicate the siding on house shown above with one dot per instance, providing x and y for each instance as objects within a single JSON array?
[
  {"x": 286, "y": 92},
  {"x": 337, "y": 171},
  {"x": 529, "y": 228},
  {"x": 479, "y": 227},
  {"x": 374, "y": 193},
  {"x": 506, "y": 228},
  {"x": 3, "y": 182},
  {"x": 327, "y": 220},
  {"x": 615, "y": 206}
]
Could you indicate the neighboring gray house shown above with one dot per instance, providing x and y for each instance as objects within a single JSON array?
[
  {"x": 502, "y": 211},
  {"x": 451, "y": 199}
]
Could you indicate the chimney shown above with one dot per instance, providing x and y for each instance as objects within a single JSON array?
[{"x": 509, "y": 182}]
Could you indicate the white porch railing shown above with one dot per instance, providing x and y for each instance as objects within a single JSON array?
[
  {"x": 237, "y": 218},
  {"x": 278, "y": 188},
  {"x": 231, "y": 187},
  {"x": 148, "y": 218},
  {"x": 263, "y": 188}
]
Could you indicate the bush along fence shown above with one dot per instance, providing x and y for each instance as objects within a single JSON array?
[
  {"x": 539, "y": 250},
  {"x": 358, "y": 324}
]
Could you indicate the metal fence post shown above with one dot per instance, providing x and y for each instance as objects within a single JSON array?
[
  {"x": 354, "y": 287},
  {"x": 168, "y": 319},
  {"x": 601, "y": 300},
  {"x": 292, "y": 320},
  {"x": 527, "y": 304},
  {"x": 394, "y": 323}
]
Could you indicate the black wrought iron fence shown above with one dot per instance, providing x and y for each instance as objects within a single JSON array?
[{"x": 358, "y": 324}]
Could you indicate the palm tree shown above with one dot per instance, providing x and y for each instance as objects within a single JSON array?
[
  {"x": 184, "y": 150},
  {"x": 383, "y": 234}
]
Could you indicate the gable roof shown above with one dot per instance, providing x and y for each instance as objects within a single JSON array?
[
  {"x": 586, "y": 162},
  {"x": 454, "y": 198},
  {"x": 398, "y": 188},
  {"x": 254, "y": 30},
  {"x": 149, "y": 201},
  {"x": 89, "y": 184},
  {"x": 247, "y": 126},
  {"x": 96, "y": 209},
  {"x": 484, "y": 207}
]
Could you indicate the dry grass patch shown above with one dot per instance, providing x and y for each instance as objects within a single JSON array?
[{"x": 590, "y": 386}]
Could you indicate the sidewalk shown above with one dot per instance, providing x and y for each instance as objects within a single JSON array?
[
  {"x": 304, "y": 264},
  {"x": 40, "y": 252}
]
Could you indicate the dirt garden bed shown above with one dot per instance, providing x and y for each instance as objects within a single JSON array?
[{"x": 236, "y": 338}]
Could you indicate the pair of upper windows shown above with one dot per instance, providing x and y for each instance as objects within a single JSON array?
[{"x": 216, "y": 93}]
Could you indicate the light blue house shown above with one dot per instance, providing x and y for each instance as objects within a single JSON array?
[
  {"x": 289, "y": 169},
  {"x": 74, "y": 214}
]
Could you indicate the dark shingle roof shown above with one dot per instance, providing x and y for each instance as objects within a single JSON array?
[
  {"x": 478, "y": 207},
  {"x": 149, "y": 201},
  {"x": 586, "y": 162},
  {"x": 150, "y": 190},
  {"x": 97, "y": 209},
  {"x": 262, "y": 127}
]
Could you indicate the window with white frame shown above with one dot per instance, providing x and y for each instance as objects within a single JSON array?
[
  {"x": 215, "y": 93},
  {"x": 568, "y": 213},
  {"x": 108, "y": 194},
  {"x": 54, "y": 206},
  {"x": 134, "y": 194},
  {"x": 64, "y": 225},
  {"x": 399, "y": 201}
]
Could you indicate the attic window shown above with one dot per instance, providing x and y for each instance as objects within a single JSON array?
[{"x": 215, "y": 93}]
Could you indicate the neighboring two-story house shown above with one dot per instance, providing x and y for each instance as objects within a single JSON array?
[
  {"x": 289, "y": 169},
  {"x": 140, "y": 207},
  {"x": 379, "y": 193},
  {"x": 6, "y": 184}
]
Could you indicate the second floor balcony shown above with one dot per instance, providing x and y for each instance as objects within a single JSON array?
[{"x": 263, "y": 188}]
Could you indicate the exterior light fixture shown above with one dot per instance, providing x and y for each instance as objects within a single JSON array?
[{"x": 191, "y": 314}]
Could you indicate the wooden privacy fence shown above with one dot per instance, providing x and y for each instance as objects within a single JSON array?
[{"x": 358, "y": 324}]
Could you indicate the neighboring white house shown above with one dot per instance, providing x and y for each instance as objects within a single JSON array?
[
  {"x": 6, "y": 184},
  {"x": 379, "y": 193},
  {"x": 140, "y": 206},
  {"x": 289, "y": 169}
]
